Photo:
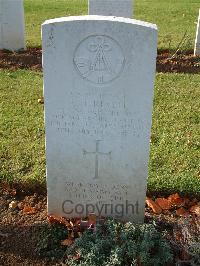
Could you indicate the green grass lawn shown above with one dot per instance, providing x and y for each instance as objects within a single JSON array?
[
  {"x": 21, "y": 127},
  {"x": 175, "y": 148},
  {"x": 173, "y": 17}
]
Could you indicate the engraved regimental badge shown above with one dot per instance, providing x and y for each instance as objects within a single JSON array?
[{"x": 99, "y": 59}]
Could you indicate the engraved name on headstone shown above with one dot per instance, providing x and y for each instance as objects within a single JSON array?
[
  {"x": 98, "y": 90},
  {"x": 119, "y": 8},
  {"x": 12, "y": 33},
  {"x": 197, "y": 41}
]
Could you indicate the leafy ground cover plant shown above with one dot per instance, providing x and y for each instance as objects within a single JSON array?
[
  {"x": 114, "y": 243},
  {"x": 49, "y": 244}
]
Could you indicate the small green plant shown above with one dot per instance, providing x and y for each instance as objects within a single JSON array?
[
  {"x": 49, "y": 244},
  {"x": 120, "y": 244}
]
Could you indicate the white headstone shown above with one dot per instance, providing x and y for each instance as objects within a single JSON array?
[
  {"x": 119, "y": 8},
  {"x": 197, "y": 41},
  {"x": 98, "y": 90},
  {"x": 12, "y": 25}
]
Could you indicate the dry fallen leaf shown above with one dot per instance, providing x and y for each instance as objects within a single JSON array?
[
  {"x": 154, "y": 206},
  {"x": 29, "y": 210},
  {"x": 182, "y": 212},
  {"x": 163, "y": 203},
  {"x": 53, "y": 219},
  {"x": 176, "y": 200}
]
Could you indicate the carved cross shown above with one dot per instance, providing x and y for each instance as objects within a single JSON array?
[{"x": 97, "y": 153}]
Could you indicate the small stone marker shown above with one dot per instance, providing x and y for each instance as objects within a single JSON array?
[
  {"x": 98, "y": 91},
  {"x": 119, "y": 8},
  {"x": 197, "y": 41},
  {"x": 12, "y": 25}
]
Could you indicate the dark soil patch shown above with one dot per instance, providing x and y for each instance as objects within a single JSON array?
[
  {"x": 20, "y": 231},
  {"x": 181, "y": 63},
  {"x": 29, "y": 59},
  {"x": 32, "y": 59}
]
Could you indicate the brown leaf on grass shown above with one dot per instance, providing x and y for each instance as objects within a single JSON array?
[
  {"x": 154, "y": 206},
  {"x": 67, "y": 242},
  {"x": 176, "y": 200},
  {"x": 164, "y": 203},
  {"x": 29, "y": 210}
]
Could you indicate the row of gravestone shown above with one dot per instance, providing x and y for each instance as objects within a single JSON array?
[
  {"x": 12, "y": 32},
  {"x": 98, "y": 90},
  {"x": 12, "y": 20}
]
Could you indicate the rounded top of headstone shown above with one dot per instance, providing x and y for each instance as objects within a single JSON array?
[{"x": 101, "y": 18}]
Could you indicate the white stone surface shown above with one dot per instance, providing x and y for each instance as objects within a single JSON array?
[
  {"x": 119, "y": 8},
  {"x": 197, "y": 41},
  {"x": 12, "y": 33},
  {"x": 98, "y": 91}
]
